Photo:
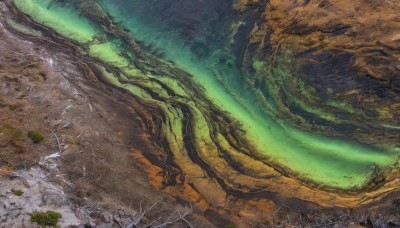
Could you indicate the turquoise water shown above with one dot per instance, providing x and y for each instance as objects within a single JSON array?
[{"x": 196, "y": 36}]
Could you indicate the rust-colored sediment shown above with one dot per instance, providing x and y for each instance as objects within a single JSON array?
[
  {"x": 369, "y": 30},
  {"x": 365, "y": 30}
]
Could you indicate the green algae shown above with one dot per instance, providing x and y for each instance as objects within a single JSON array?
[
  {"x": 63, "y": 20},
  {"x": 325, "y": 161},
  {"x": 131, "y": 88},
  {"x": 22, "y": 28},
  {"x": 108, "y": 52}
]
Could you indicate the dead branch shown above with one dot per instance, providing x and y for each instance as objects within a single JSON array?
[
  {"x": 58, "y": 142},
  {"x": 181, "y": 217},
  {"x": 136, "y": 219},
  {"x": 142, "y": 213}
]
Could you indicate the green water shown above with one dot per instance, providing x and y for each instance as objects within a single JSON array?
[{"x": 322, "y": 160}]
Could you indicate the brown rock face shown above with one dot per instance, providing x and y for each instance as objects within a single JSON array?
[
  {"x": 346, "y": 50},
  {"x": 344, "y": 25},
  {"x": 366, "y": 29}
]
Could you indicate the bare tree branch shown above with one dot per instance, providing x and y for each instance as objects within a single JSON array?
[{"x": 138, "y": 217}]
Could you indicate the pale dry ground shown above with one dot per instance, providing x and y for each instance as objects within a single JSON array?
[{"x": 39, "y": 195}]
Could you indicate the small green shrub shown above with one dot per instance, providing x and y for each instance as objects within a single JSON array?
[
  {"x": 18, "y": 193},
  {"x": 35, "y": 136},
  {"x": 49, "y": 218}
]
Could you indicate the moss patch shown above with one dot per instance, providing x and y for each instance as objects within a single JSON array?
[
  {"x": 18, "y": 192},
  {"x": 35, "y": 136},
  {"x": 49, "y": 218}
]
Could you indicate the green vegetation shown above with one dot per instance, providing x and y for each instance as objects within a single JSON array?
[
  {"x": 12, "y": 132},
  {"x": 49, "y": 218},
  {"x": 18, "y": 192},
  {"x": 35, "y": 136}
]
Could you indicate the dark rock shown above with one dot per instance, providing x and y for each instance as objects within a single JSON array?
[
  {"x": 367, "y": 223},
  {"x": 396, "y": 203},
  {"x": 88, "y": 225}
]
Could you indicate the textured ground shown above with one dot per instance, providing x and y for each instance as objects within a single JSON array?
[
  {"x": 84, "y": 168},
  {"x": 107, "y": 137}
]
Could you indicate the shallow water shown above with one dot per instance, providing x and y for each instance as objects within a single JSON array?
[{"x": 197, "y": 37}]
